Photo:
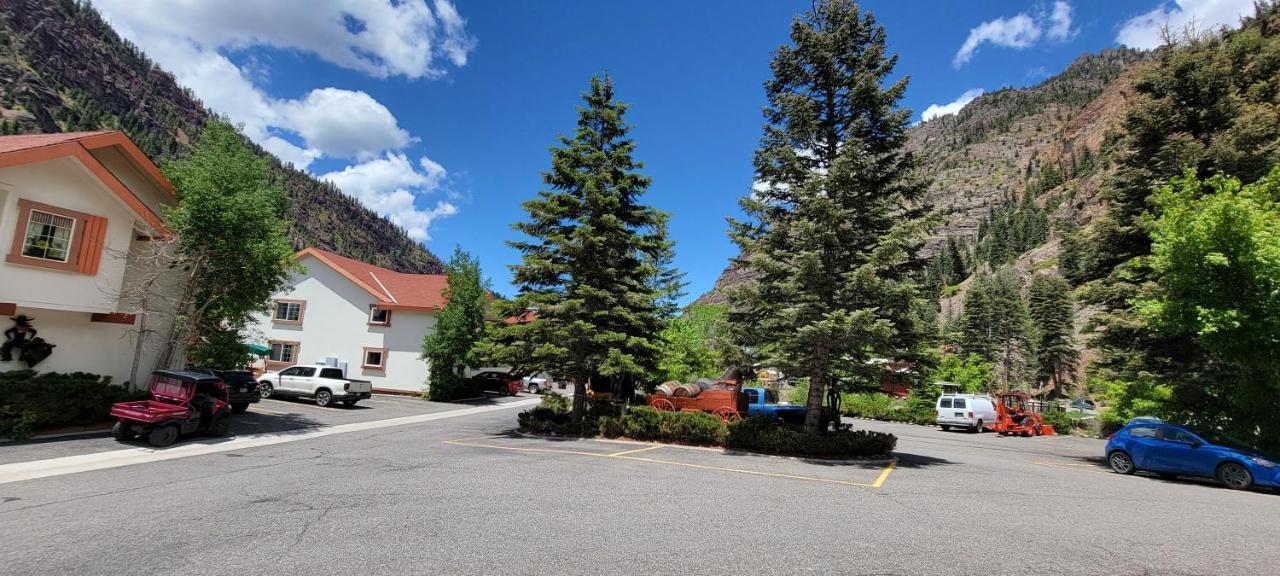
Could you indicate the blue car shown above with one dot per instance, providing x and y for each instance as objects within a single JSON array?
[{"x": 1169, "y": 450}]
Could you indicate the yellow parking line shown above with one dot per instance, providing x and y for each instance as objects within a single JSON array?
[
  {"x": 624, "y": 455},
  {"x": 645, "y": 449}
]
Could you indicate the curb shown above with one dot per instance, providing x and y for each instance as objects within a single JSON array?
[{"x": 33, "y": 439}]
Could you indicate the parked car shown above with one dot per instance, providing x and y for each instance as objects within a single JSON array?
[
  {"x": 242, "y": 387},
  {"x": 325, "y": 384},
  {"x": 970, "y": 411},
  {"x": 1083, "y": 404},
  {"x": 181, "y": 403},
  {"x": 1172, "y": 451},
  {"x": 536, "y": 382},
  {"x": 764, "y": 402},
  {"x": 503, "y": 383}
]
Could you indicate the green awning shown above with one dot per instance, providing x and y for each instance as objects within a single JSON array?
[{"x": 258, "y": 349}]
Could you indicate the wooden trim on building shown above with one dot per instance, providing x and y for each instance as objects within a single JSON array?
[
  {"x": 373, "y": 307},
  {"x": 114, "y": 318},
  {"x": 78, "y": 257},
  {"x": 273, "y": 365},
  {"x": 8, "y": 308},
  {"x": 382, "y": 355},
  {"x": 302, "y": 311}
]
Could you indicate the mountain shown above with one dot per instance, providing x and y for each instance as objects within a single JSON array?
[
  {"x": 1048, "y": 141},
  {"x": 62, "y": 68}
]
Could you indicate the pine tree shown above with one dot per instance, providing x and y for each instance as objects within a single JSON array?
[
  {"x": 595, "y": 266},
  {"x": 1052, "y": 308},
  {"x": 449, "y": 349},
  {"x": 996, "y": 326},
  {"x": 836, "y": 221}
]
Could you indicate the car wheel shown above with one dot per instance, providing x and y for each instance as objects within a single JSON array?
[
  {"x": 324, "y": 398},
  {"x": 219, "y": 427},
  {"x": 533, "y": 388},
  {"x": 1121, "y": 463},
  {"x": 1234, "y": 476},
  {"x": 265, "y": 389},
  {"x": 977, "y": 428},
  {"x": 162, "y": 436},
  {"x": 945, "y": 428},
  {"x": 349, "y": 403},
  {"x": 239, "y": 407},
  {"x": 122, "y": 432}
]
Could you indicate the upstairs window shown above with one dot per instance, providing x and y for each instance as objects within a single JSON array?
[
  {"x": 288, "y": 311},
  {"x": 379, "y": 316},
  {"x": 48, "y": 236}
]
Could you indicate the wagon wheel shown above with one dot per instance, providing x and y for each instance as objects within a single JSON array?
[
  {"x": 727, "y": 414},
  {"x": 663, "y": 405}
]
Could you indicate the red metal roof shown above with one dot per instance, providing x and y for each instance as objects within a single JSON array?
[
  {"x": 28, "y": 141},
  {"x": 394, "y": 290}
]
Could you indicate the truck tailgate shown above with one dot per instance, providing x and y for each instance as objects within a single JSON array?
[{"x": 360, "y": 386}]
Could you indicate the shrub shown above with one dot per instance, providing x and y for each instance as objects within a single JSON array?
[
  {"x": 1062, "y": 422},
  {"x": 31, "y": 401},
  {"x": 871, "y": 405},
  {"x": 556, "y": 402},
  {"x": 543, "y": 420},
  {"x": 760, "y": 434}
]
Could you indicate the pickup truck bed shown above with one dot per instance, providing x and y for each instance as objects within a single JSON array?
[{"x": 148, "y": 411}]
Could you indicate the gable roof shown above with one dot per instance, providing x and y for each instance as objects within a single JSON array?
[
  {"x": 31, "y": 148},
  {"x": 393, "y": 290}
]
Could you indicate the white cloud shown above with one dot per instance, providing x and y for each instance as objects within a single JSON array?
[
  {"x": 380, "y": 38},
  {"x": 343, "y": 123},
  {"x": 952, "y": 107},
  {"x": 1019, "y": 32},
  {"x": 1145, "y": 31},
  {"x": 392, "y": 185},
  {"x": 1060, "y": 22},
  {"x": 1016, "y": 32},
  {"x": 409, "y": 38}
]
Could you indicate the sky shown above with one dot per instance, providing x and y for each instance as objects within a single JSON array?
[{"x": 438, "y": 114}]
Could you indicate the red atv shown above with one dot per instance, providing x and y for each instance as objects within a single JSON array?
[{"x": 182, "y": 403}]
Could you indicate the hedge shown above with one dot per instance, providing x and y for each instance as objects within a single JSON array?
[
  {"x": 31, "y": 401},
  {"x": 757, "y": 434}
]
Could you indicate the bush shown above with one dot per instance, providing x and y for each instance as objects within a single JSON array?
[
  {"x": 877, "y": 406},
  {"x": 543, "y": 420},
  {"x": 1062, "y": 422},
  {"x": 760, "y": 434},
  {"x": 31, "y": 401},
  {"x": 448, "y": 388},
  {"x": 645, "y": 423},
  {"x": 556, "y": 402}
]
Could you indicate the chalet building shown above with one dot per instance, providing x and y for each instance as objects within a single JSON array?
[
  {"x": 77, "y": 211},
  {"x": 367, "y": 319}
]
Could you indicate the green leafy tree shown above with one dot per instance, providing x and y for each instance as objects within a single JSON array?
[
  {"x": 971, "y": 372},
  {"x": 1052, "y": 308},
  {"x": 996, "y": 326},
  {"x": 230, "y": 244},
  {"x": 835, "y": 223},
  {"x": 1216, "y": 257},
  {"x": 691, "y": 344},
  {"x": 450, "y": 348},
  {"x": 596, "y": 262}
]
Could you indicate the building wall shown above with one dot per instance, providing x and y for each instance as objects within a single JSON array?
[
  {"x": 80, "y": 345},
  {"x": 64, "y": 183},
  {"x": 335, "y": 323}
]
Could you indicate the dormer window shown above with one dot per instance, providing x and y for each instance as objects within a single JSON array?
[{"x": 379, "y": 316}]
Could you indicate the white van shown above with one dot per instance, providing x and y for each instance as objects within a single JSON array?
[{"x": 970, "y": 411}]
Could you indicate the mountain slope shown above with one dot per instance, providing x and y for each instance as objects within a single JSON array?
[
  {"x": 1049, "y": 140},
  {"x": 62, "y": 68}
]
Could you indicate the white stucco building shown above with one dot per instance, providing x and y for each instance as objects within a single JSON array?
[
  {"x": 76, "y": 212},
  {"x": 370, "y": 318}
]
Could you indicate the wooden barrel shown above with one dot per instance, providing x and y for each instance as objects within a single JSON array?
[
  {"x": 687, "y": 390},
  {"x": 666, "y": 388}
]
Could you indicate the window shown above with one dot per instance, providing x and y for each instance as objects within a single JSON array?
[
  {"x": 753, "y": 396},
  {"x": 284, "y": 352},
  {"x": 48, "y": 236},
  {"x": 335, "y": 373},
  {"x": 52, "y": 237},
  {"x": 290, "y": 372},
  {"x": 959, "y": 403},
  {"x": 1143, "y": 432},
  {"x": 944, "y": 403},
  {"x": 1178, "y": 435},
  {"x": 288, "y": 311},
  {"x": 379, "y": 316},
  {"x": 375, "y": 358},
  {"x": 306, "y": 372}
]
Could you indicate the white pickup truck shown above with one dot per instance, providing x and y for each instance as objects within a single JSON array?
[{"x": 323, "y": 383}]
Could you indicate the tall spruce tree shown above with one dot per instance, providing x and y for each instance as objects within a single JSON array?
[
  {"x": 450, "y": 348},
  {"x": 1052, "y": 309},
  {"x": 996, "y": 326},
  {"x": 594, "y": 280},
  {"x": 836, "y": 219}
]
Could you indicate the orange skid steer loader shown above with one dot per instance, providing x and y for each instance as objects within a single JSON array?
[{"x": 1014, "y": 415}]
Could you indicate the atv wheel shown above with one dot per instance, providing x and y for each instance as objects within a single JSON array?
[
  {"x": 239, "y": 407},
  {"x": 122, "y": 432},
  {"x": 162, "y": 436},
  {"x": 324, "y": 398},
  {"x": 1234, "y": 476},
  {"x": 219, "y": 427}
]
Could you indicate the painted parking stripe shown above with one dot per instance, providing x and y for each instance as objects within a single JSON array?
[{"x": 20, "y": 471}]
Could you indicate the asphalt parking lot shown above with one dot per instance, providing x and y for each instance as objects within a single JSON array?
[{"x": 455, "y": 492}]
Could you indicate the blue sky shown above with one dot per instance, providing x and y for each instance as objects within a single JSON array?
[{"x": 439, "y": 115}]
